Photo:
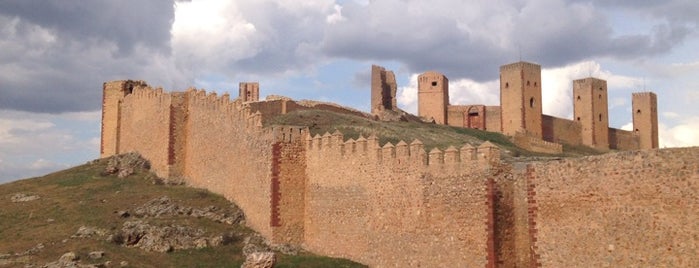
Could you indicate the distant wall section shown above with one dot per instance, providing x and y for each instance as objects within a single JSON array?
[{"x": 629, "y": 209}]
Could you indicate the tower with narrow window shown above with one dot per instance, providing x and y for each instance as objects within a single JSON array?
[
  {"x": 433, "y": 96},
  {"x": 520, "y": 98},
  {"x": 645, "y": 119},
  {"x": 591, "y": 111},
  {"x": 249, "y": 91}
]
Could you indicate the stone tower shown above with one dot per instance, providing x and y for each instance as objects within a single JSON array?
[
  {"x": 112, "y": 94},
  {"x": 249, "y": 91},
  {"x": 645, "y": 118},
  {"x": 383, "y": 90},
  {"x": 591, "y": 111},
  {"x": 433, "y": 96},
  {"x": 520, "y": 98}
]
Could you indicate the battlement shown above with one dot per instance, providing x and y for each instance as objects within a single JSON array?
[
  {"x": 334, "y": 146},
  {"x": 519, "y": 65},
  {"x": 646, "y": 93}
]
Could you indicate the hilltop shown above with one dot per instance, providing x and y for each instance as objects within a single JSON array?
[
  {"x": 432, "y": 135},
  {"x": 109, "y": 221}
]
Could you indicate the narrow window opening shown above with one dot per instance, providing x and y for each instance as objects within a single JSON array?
[
  {"x": 434, "y": 83},
  {"x": 534, "y": 83},
  {"x": 600, "y": 96},
  {"x": 507, "y": 85},
  {"x": 578, "y": 118},
  {"x": 531, "y": 102},
  {"x": 578, "y": 97},
  {"x": 527, "y": 83},
  {"x": 600, "y": 117},
  {"x": 129, "y": 90},
  {"x": 638, "y": 111},
  {"x": 636, "y": 130}
]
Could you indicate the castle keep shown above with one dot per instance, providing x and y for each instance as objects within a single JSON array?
[
  {"x": 520, "y": 112},
  {"x": 398, "y": 205}
]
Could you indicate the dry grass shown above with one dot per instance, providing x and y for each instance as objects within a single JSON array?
[{"x": 80, "y": 196}]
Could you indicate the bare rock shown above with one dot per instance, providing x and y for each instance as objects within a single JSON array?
[
  {"x": 125, "y": 164},
  {"x": 260, "y": 260},
  {"x": 86, "y": 231},
  {"x": 22, "y": 197},
  {"x": 255, "y": 243},
  {"x": 163, "y": 239},
  {"x": 95, "y": 255},
  {"x": 68, "y": 257},
  {"x": 166, "y": 206}
]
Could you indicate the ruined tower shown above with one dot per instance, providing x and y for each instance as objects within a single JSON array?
[
  {"x": 383, "y": 90},
  {"x": 112, "y": 94},
  {"x": 591, "y": 111},
  {"x": 645, "y": 118},
  {"x": 433, "y": 96},
  {"x": 249, "y": 91},
  {"x": 520, "y": 98}
]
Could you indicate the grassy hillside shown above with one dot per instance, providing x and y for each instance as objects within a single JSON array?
[
  {"x": 432, "y": 135},
  {"x": 39, "y": 231}
]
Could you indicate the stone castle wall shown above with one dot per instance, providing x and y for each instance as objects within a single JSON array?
[
  {"x": 145, "y": 126},
  {"x": 398, "y": 205},
  {"x": 228, "y": 153},
  {"x": 628, "y": 209},
  {"x": 561, "y": 130}
]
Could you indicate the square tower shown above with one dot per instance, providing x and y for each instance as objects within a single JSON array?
[
  {"x": 383, "y": 89},
  {"x": 112, "y": 94},
  {"x": 591, "y": 111},
  {"x": 645, "y": 119},
  {"x": 249, "y": 91},
  {"x": 520, "y": 98},
  {"x": 433, "y": 96}
]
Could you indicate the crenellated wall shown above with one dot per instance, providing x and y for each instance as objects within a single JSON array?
[
  {"x": 229, "y": 153},
  {"x": 145, "y": 126},
  {"x": 399, "y": 205}
]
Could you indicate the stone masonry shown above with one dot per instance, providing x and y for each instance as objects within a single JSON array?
[
  {"x": 398, "y": 205},
  {"x": 520, "y": 112}
]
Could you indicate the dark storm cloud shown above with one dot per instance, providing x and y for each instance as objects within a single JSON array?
[
  {"x": 55, "y": 55},
  {"x": 467, "y": 40},
  {"x": 125, "y": 22}
]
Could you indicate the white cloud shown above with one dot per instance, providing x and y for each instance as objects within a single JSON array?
[
  {"x": 33, "y": 144},
  {"x": 337, "y": 16},
  {"x": 684, "y": 134},
  {"x": 407, "y": 96}
]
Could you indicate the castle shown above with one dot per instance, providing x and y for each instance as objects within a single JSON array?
[
  {"x": 398, "y": 205},
  {"x": 520, "y": 112}
]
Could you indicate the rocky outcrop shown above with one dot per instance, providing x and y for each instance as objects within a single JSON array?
[
  {"x": 165, "y": 206},
  {"x": 257, "y": 252},
  {"x": 126, "y": 164},
  {"x": 22, "y": 197},
  {"x": 166, "y": 238},
  {"x": 260, "y": 260},
  {"x": 86, "y": 231}
]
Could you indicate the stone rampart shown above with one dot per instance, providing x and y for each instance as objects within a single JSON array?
[
  {"x": 144, "y": 126},
  {"x": 561, "y": 130},
  {"x": 534, "y": 144},
  {"x": 229, "y": 153},
  {"x": 398, "y": 205},
  {"x": 623, "y": 140},
  {"x": 628, "y": 209}
]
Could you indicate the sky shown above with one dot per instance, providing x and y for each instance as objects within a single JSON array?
[{"x": 55, "y": 55}]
